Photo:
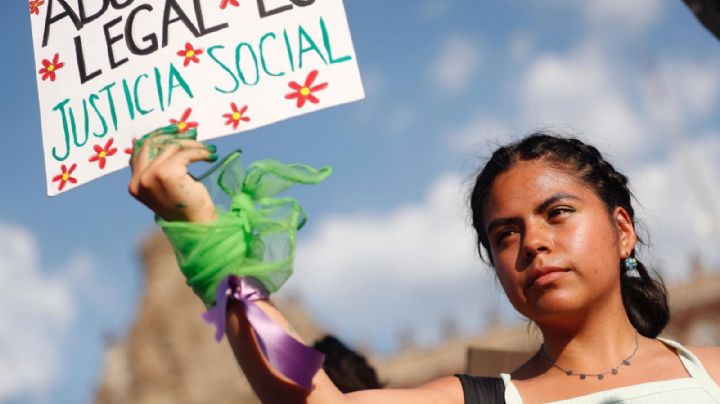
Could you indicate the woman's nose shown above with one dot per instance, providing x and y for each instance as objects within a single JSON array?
[{"x": 536, "y": 240}]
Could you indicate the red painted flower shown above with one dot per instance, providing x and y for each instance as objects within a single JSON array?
[
  {"x": 190, "y": 54},
  {"x": 305, "y": 92},
  {"x": 101, "y": 153},
  {"x": 65, "y": 176},
  {"x": 183, "y": 125},
  {"x": 224, "y": 3},
  {"x": 236, "y": 116},
  {"x": 129, "y": 150},
  {"x": 49, "y": 68},
  {"x": 35, "y": 6}
]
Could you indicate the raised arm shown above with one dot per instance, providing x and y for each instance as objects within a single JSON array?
[
  {"x": 274, "y": 388},
  {"x": 160, "y": 181}
]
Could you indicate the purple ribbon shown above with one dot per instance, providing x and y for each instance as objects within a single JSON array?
[{"x": 294, "y": 360}]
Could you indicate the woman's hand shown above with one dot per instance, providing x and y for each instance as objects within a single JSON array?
[{"x": 160, "y": 179}]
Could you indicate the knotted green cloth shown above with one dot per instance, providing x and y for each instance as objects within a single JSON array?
[{"x": 254, "y": 234}]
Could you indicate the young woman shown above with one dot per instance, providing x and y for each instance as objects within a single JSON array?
[{"x": 556, "y": 222}]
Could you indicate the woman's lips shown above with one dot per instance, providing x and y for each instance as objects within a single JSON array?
[
  {"x": 545, "y": 276},
  {"x": 548, "y": 278}
]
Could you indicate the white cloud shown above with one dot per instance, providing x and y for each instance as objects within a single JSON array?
[
  {"x": 635, "y": 15},
  {"x": 684, "y": 89},
  {"x": 680, "y": 201},
  {"x": 35, "y": 314},
  {"x": 371, "y": 276},
  {"x": 38, "y": 313},
  {"x": 608, "y": 17},
  {"x": 583, "y": 90},
  {"x": 456, "y": 64}
]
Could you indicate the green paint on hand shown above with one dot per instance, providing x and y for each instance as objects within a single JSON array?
[{"x": 156, "y": 147}]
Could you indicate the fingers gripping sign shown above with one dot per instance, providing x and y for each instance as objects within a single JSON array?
[{"x": 160, "y": 178}]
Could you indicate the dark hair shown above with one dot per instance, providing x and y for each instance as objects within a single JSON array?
[
  {"x": 348, "y": 370},
  {"x": 644, "y": 295}
]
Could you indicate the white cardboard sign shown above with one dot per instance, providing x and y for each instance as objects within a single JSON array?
[{"x": 109, "y": 71}]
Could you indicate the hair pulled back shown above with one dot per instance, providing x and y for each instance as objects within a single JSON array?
[{"x": 643, "y": 294}]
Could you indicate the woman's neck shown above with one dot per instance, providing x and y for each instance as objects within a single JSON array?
[{"x": 596, "y": 343}]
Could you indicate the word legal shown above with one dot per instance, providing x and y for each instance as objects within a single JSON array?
[{"x": 136, "y": 42}]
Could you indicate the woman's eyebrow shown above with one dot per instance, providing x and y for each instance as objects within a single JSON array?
[
  {"x": 555, "y": 198},
  {"x": 542, "y": 207}
]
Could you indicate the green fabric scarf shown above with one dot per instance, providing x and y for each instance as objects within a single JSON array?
[{"x": 254, "y": 235}]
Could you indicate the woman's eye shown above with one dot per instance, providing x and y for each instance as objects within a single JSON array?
[
  {"x": 561, "y": 210},
  {"x": 502, "y": 235}
]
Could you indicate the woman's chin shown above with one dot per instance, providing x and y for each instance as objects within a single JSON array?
[{"x": 549, "y": 304}]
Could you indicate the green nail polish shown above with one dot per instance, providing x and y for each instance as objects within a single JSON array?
[
  {"x": 211, "y": 148},
  {"x": 213, "y": 157}
]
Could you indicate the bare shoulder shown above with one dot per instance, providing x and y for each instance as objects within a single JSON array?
[
  {"x": 446, "y": 390},
  {"x": 448, "y": 387},
  {"x": 710, "y": 358}
]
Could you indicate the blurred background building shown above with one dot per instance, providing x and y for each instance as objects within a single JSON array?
[{"x": 170, "y": 355}]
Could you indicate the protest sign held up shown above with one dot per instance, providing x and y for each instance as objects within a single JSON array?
[{"x": 111, "y": 70}]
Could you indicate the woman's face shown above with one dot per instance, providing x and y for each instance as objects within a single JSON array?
[{"x": 555, "y": 247}]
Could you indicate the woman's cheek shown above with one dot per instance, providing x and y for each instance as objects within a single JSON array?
[{"x": 588, "y": 242}]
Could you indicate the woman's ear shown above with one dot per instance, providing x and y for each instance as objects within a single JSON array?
[{"x": 626, "y": 232}]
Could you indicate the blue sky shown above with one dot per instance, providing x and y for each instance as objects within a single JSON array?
[{"x": 387, "y": 248}]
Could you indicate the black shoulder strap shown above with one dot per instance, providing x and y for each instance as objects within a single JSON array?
[{"x": 482, "y": 390}]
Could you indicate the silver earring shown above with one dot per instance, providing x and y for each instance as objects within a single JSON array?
[{"x": 630, "y": 265}]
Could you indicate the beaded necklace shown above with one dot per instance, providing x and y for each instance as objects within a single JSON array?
[{"x": 599, "y": 376}]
